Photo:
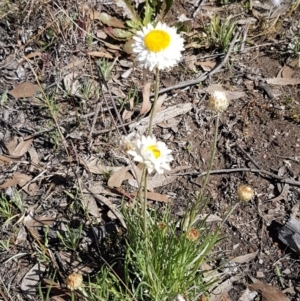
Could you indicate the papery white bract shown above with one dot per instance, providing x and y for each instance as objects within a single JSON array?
[
  {"x": 218, "y": 101},
  {"x": 154, "y": 154},
  {"x": 157, "y": 47}
]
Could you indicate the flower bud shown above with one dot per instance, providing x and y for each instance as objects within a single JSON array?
[
  {"x": 218, "y": 101},
  {"x": 245, "y": 192},
  {"x": 74, "y": 281},
  {"x": 192, "y": 234}
]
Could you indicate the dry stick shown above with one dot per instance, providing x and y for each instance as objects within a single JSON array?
[
  {"x": 248, "y": 156},
  {"x": 206, "y": 74},
  {"x": 220, "y": 171}
]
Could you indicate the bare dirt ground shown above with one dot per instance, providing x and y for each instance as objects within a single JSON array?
[{"x": 54, "y": 46}]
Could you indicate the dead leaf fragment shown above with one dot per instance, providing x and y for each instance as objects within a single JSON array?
[
  {"x": 146, "y": 106},
  {"x": 155, "y": 197},
  {"x": 22, "y": 148},
  {"x": 269, "y": 292},
  {"x": 118, "y": 177},
  {"x": 111, "y": 21},
  {"x": 21, "y": 180},
  {"x": 283, "y": 81},
  {"x": 34, "y": 159},
  {"x": 24, "y": 90},
  {"x": 244, "y": 258},
  {"x": 207, "y": 65},
  {"x": 100, "y": 54}
]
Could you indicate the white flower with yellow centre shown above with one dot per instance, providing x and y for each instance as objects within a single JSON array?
[
  {"x": 154, "y": 154},
  {"x": 157, "y": 47}
]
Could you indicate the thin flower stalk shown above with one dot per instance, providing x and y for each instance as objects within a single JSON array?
[{"x": 156, "y": 89}]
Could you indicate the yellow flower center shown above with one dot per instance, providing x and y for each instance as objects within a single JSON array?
[
  {"x": 154, "y": 150},
  {"x": 157, "y": 40}
]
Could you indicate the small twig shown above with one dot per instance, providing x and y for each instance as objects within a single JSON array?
[
  {"x": 248, "y": 156},
  {"x": 39, "y": 133},
  {"x": 205, "y": 75},
  {"x": 220, "y": 171},
  {"x": 200, "y": 3},
  {"x": 244, "y": 37}
]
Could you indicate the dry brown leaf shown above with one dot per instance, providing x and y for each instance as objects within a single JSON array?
[
  {"x": 100, "y": 54},
  {"x": 155, "y": 197},
  {"x": 127, "y": 114},
  {"x": 283, "y": 81},
  {"x": 269, "y": 292},
  {"x": 146, "y": 106},
  {"x": 159, "y": 103},
  {"x": 22, "y": 148},
  {"x": 15, "y": 180},
  {"x": 118, "y": 177},
  {"x": 4, "y": 159},
  {"x": 25, "y": 89},
  {"x": 30, "y": 220},
  {"x": 21, "y": 180},
  {"x": 207, "y": 65},
  {"x": 90, "y": 204},
  {"x": 34, "y": 159},
  {"x": 12, "y": 144},
  {"x": 285, "y": 72},
  {"x": 101, "y": 34},
  {"x": 74, "y": 64},
  {"x": 244, "y": 258},
  {"x": 111, "y": 21},
  {"x": 112, "y": 46},
  {"x": 111, "y": 206}
]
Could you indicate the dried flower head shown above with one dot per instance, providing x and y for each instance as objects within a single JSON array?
[
  {"x": 192, "y": 234},
  {"x": 157, "y": 46},
  {"x": 128, "y": 143},
  {"x": 218, "y": 101},
  {"x": 245, "y": 192},
  {"x": 74, "y": 281},
  {"x": 161, "y": 225}
]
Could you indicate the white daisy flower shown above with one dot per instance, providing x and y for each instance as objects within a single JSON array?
[
  {"x": 154, "y": 154},
  {"x": 218, "y": 101},
  {"x": 157, "y": 47}
]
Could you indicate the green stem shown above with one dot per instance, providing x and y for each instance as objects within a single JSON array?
[
  {"x": 193, "y": 213},
  {"x": 156, "y": 89}
]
